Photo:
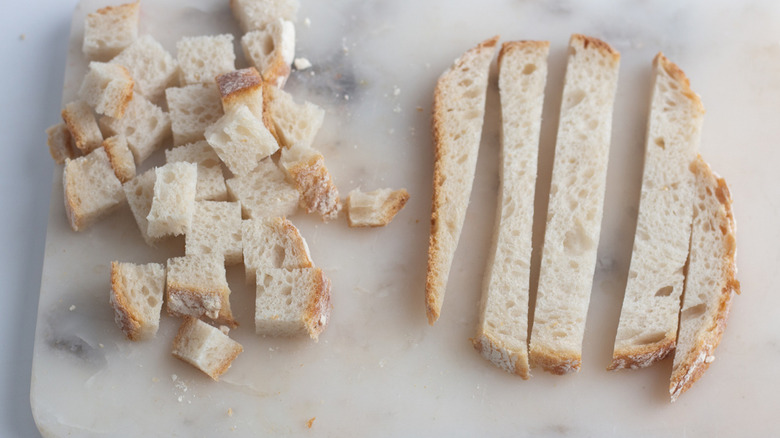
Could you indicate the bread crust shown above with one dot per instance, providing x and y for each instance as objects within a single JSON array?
[
  {"x": 298, "y": 244},
  {"x": 511, "y": 46},
  {"x": 641, "y": 356},
  {"x": 318, "y": 193},
  {"x": 317, "y": 313},
  {"x": 500, "y": 355},
  {"x": 554, "y": 362},
  {"x": 679, "y": 76},
  {"x": 598, "y": 44},
  {"x": 126, "y": 317},
  {"x": 392, "y": 205}
]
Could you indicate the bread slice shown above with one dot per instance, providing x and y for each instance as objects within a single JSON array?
[
  {"x": 271, "y": 50},
  {"x": 60, "y": 143},
  {"x": 291, "y": 302},
  {"x": 575, "y": 206},
  {"x": 82, "y": 125},
  {"x": 648, "y": 322},
  {"x": 108, "y": 88},
  {"x": 710, "y": 282},
  {"x": 137, "y": 297},
  {"x": 264, "y": 192},
  {"x": 173, "y": 203},
  {"x": 145, "y": 126},
  {"x": 458, "y": 110},
  {"x": 196, "y": 285},
  {"x": 272, "y": 243},
  {"x": 211, "y": 181},
  {"x": 153, "y": 69},
  {"x": 205, "y": 347},
  {"x": 305, "y": 167},
  {"x": 91, "y": 189},
  {"x": 257, "y": 14},
  {"x": 139, "y": 192},
  {"x": 109, "y": 30},
  {"x": 502, "y": 333},
  {"x": 216, "y": 229},
  {"x": 241, "y": 140},
  {"x": 202, "y": 58},
  {"x": 193, "y": 109},
  {"x": 294, "y": 123},
  {"x": 121, "y": 157},
  {"x": 376, "y": 208}
]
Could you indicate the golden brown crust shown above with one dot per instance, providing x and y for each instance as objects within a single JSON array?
[
  {"x": 597, "y": 44},
  {"x": 124, "y": 9},
  {"x": 238, "y": 81},
  {"x": 640, "y": 356},
  {"x": 297, "y": 245},
  {"x": 554, "y": 362},
  {"x": 392, "y": 205},
  {"x": 80, "y": 138},
  {"x": 125, "y": 95},
  {"x": 125, "y": 315},
  {"x": 317, "y": 313},
  {"x": 501, "y": 356},
  {"x": 73, "y": 209},
  {"x": 511, "y": 46},
  {"x": 60, "y": 143},
  {"x": 678, "y": 76},
  {"x": 268, "y": 117},
  {"x": 318, "y": 193},
  {"x": 123, "y": 173}
]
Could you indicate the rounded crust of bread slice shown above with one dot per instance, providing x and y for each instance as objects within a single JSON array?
[
  {"x": 317, "y": 313},
  {"x": 501, "y": 354},
  {"x": 126, "y": 316},
  {"x": 552, "y": 361}
]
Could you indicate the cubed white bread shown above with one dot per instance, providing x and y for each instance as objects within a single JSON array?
[
  {"x": 174, "y": 199},
  {"x": 107, "y": 88},
  {"x": 241, "y": 140},
  {"x": 145, "y": 126},
  {"x": 82, "y": 125},
  {"x": 294, "y": 124},
  {"x": 202, "y": 58},
  {"x": 264, "y": 192},
  {"x": 193, "y": 108},
  {"x": 291, "y": 302},
  {"x": 196, "y": 285},
  {"x": 137, "y": 298},
  {"x": 109, "y": 30},
  {"x": 271, "y": 50},
  {"x": 205, "y": 347},
  {"x": 257, "y": 14},
  {"x": 91, "y": 189},
  {"x": 306, "y": 168},
  {"x": 376, "y": 208},
  {"x": 60, "y": 143},
  {"x": 216, "y": 229},
  {"x": 211, "y": 181},
  {"x": 151, "y": 66},
  {"x": 272, "y": 243},
  {"x": 139, "y": 192},
  {"x": 121, "y": 157},
  {"x": 245, "y": 87}
]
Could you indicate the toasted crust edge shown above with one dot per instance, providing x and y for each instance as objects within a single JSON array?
[
  {"x": 597, "y": 44},
  {"x": 294, "y": 237},
  {"x": 642, "y": 356},
  {"x": 317, "y": 313},
  {"x": 511, "y": 361},
  {"x": 679, "y": 76},
  {"x": 224, "y": 364},
  {"x": 318, "y": 192},
  {"x": 554, "y": 362},
  {"x": 128, "y": 320},
  {"x": 392, "y": 205},
  {"x": 511, "y": 46}
]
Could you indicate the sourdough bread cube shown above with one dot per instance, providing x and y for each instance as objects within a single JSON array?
[
  {"x": 153, "y": 69},
  {"x": 272, "y": 243},
  {"x": 242, "y": 87},
  {"x": 140, "y": 193},
  {"x": 145, "y": 125},
  {"x": 174, "y": 199},
  {"x": 241, "y": 140},
  {"x": 291, "y": 302},
  {"x": 91, "y": 188},
  {"x": 211, "y": 182},
  {"x": 294, "y": 123},
  {"x": 376, "y": 208},
  {"x": 202, "y": 58},
  {"x": 306, "y": 168},
  {"x": 257, "y": 14},
  {"x": 193, "y": 109},
  {"x": 60, "y": 143},
  {"x": 121, "y": 157},
  {"x": 271, "y": 50},
  {"x": 216, "y": 229},
  {"x": 205, "y": 347},
  {"x": 109, "y": 30},
  {"x": 264, "y": 192},
  {"x": 81, "y": 123},
  {"x": 137, "y": 297},
  {"x": 108, "y": 88},
  {"x": 196, "y": 285}
]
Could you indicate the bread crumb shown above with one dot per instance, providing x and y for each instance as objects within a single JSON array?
[
  {"x": 174, "y": 377},
  {"x": 396, "y": 90},
  {"x": 307, "y": 22},
  {"x": 155, "y": 380},
  {"x": 310, "y": 422},
  {"x": 397, "y": 109},
  {"x": 101, "y": 346},
  {"x": 419, "y": 109},
  {"x": 22, "y": 37},
  {"x": 230, "y": 412},
  {"x": 72, "y": 307},
  {"x": 301, "y": 63},
  {"x": 346, "y": 97}
]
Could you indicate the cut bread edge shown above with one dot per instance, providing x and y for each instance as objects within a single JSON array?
[{"x": 509, "y": 359}]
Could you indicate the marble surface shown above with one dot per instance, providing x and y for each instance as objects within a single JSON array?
[{"x": 379, "y": 369}]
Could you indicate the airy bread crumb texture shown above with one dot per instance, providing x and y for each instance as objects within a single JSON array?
[
  {"x": 253, "y": 14},
  {"x": 193, "y": 108},
  {"x": 151, "y": 66},
  {"x": 145, "y": 126},
  {"x": 91, "y": 189},
  {"x": 271, "y": 50},
  {"x": 376, "y": 208},
  {"x": 272, "y": 243},
  {"x": 137, "y": 297},
  {"x": 107, "y": 88},
  {"x": 139, "y": 192},
  {"x": 216, "y": 229},
  {"x": 264, "y": 192},
  {"x": 174, "y": 199},
  {"x": 211, "y": 181},
  {"x": 295, "y": 124},
  {"x": 203, "y": 58},
  {"x": 306, "y": 168},
  {"x": 109, "y": 30},
  {"x": 241, "y": 140},
  {"x": 205, "y": 347}
]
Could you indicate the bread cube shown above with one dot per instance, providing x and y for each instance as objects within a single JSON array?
[
  {"x": 121, "y": 157},
  {"x": 216, "y": 229},
  {"x": 211, "y": 182},
  {"x": 257, "y": 14},
  {"x": 272, "y": 243},
  {"x": 153, "y": 69},
  {"x": 139, "y": 192},
  {"x": 374, "y": 209},
  {"x": 242, "y": 87},
  {"x": 60, "y": 142},
  {"x": 91, "y": 188},
  {"x": 271, "y": 50},
  {"x": 145, "y": 126},
  {"x": 306, "y": 168},
  {"x": 241, "y": 140},
  {"x": 294, "y": 123},
  {"x": 174, "y": 199},
  {"x": 107, "y": 88},
  {"x": 291, "y": 302},
  {"x": 205, "y": 347},
  {"x": 193, "y": 109},
  {"x": 137, "y": 297},
  {"x": 264, "y": 192},
  {"x": 109, "y": 30},
  {"x": 202, "y": 58},
  {"x": 196, "y": 285},
  {"x": 81, "y": 123}
]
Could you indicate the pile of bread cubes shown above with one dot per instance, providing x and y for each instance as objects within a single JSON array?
[{"x": 219, "y": 121}]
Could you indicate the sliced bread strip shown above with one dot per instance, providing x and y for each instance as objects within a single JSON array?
[
  {"x": 91, "y": 189},
  {"x": 271, "y": 50},
  {"x": 174, "y": 199},
  {"x": 264, "y": 192},
  {"x": 145, "y": 126},
  {"x": 82, "y": 125},
  {"x": 137, "y": 297},
  {"x": 710, "y": 282},
  {"x": 109, "y": 30},
  {"x": 257, "y": 14},
  {"x": 575, "y": 206},
  {"x": 458, "y": 112},
  {"x": 121, "y": 157},
  {"x": 241, "y": 140},
  {"x": 202, "y": 58},
  {"x": 215, "y": 229},
  {"x": 60, "y": 143},
  {"x": 272, "y": 243},
  {"x": 305, "y": 167},
  {"x": 196, "y": 285},
  {"x": 139, "y": 192},
  {"x": 205, "y": 347},
  {"x": 193, "y": 108},
  {"x": 502, "y": 333},
  {"x": 211, "y": 181},
  {"x": 153, "y": 69},
  {"x": 376, "y": 208},
  {"x": 647, "y": 331},
  {"x": 108, "y": 88}
]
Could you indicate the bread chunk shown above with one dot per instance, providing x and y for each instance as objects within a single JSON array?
[
  {"x": 216, "y": 229},
  {"x": 291, "y": 302},
  {"x": 241, "y": 140},
  {"x": 272, "y": 243},
  {"x": 257, "y": 14},
  {"x": 60, "y": 143},
  {"x": 174, "y": 199},
  {"x": 109, "y": 30},
  {"x": 264, "y": 192},
  {"x": 306, "y": 168},
  {"x": 121, "y": 157},
  {"x": 108, "y": 88},
  {"x": 91, "y": 189},
  {"x": 193, "y": 109},
  {"x": 197, "y": 286},
  {"x": 376, "y": 208},
  {"x": 211, "y": 181},
  {"x": 82, "y": 125},
  {"x": 271, "y": 50},
  {"x": 294, "y": 124},
  {"x": 137, "y": 297},
  {"x": 202, "y": 58},
  {"x": 205, "y": 347},
  {"x": 140, "y": 193},
  {"x": 151, "y": 66},
  {"x": 145, "y": 126}
]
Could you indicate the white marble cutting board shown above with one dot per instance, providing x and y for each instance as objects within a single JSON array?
[{"x": 379, "y": 369}]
